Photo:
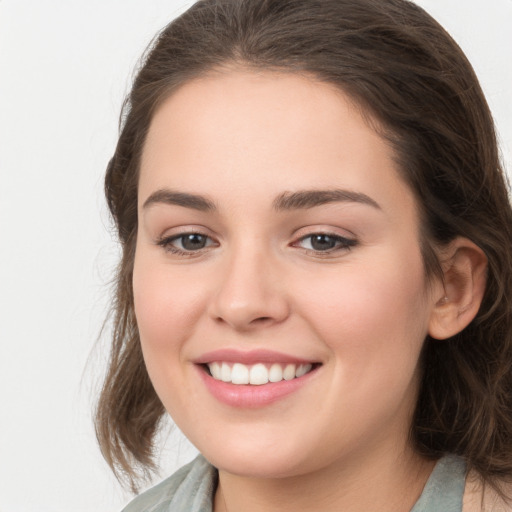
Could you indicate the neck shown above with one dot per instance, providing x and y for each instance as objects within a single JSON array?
[{"x": 389, "y": 482}]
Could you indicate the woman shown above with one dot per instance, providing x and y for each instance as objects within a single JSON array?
[{"x": 316, "y": 271}]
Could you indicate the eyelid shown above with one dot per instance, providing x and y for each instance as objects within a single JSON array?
[
  {"x": 344, "y": 242},
  {"x": 324, "y": 230},
  {"x": 165, "y": 240},
  {"x": 176, "y": 232},
  {"x": 347, "y": 241}
]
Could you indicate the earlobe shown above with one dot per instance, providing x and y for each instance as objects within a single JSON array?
[{"x": 459, "y": 297}]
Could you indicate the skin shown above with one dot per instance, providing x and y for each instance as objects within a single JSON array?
[{"x": 241, "y": 139}]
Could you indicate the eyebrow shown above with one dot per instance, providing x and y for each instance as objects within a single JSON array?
[
  {"x": 172, "y": 197},
  {"x": 299, "y": 200},
  {"x": 304, "y": 199}
]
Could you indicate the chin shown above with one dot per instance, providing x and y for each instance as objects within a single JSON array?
[
  {"x": 258, "y": 467},
  {"x": 274, "y": 460}
]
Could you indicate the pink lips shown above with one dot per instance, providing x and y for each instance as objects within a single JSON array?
[
  {"x": 249, "y": 396},
  {"x": 250, "y": 357}
]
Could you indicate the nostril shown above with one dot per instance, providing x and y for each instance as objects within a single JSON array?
[{"x": 262, "y": 319}]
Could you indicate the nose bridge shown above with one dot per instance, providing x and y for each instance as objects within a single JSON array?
[{"x": 248, "y": 292}]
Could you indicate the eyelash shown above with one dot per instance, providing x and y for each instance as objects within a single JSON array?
[
  {"x": 166, "y": 243},
  {"x": 342, "y": 244}
]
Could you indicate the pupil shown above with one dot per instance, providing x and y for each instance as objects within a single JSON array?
[
  {"x": 322, "y": 242},
  {"x": 193, "y": 242}
]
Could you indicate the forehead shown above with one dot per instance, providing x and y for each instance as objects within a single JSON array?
[{"x": 262, "y": 133}]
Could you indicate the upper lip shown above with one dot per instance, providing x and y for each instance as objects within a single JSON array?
[{"x": 249, "y": 357}]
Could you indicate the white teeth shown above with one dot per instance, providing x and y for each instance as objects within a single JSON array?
[
  {"x": 225, "y": 372},
  {"x": 276, "y": 373},
  {"x": 257, "y": 374},
  {"x": 289, "y": 372},
  {"x": 239, "y": 374},
  {"x": 216, "y": 371},
  {"x": 303, "y": 369}
]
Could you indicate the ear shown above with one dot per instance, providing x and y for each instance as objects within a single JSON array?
[{"x": 458, "y": 298}]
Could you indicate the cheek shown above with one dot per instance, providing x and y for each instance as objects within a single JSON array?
[
  {"x": 165, "y": 308},
  {"x": 167, "y": 312},
  {"x": 373, "y": 315},
  {"x": 374, "y": 324}
]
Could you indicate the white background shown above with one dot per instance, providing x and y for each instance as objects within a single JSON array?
[{"x": 64, "y": 69}]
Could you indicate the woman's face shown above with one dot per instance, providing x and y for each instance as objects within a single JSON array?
[{"x": 276, "y": 238}]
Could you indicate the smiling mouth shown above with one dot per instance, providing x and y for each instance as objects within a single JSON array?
[{"x": 257, "y": 374}]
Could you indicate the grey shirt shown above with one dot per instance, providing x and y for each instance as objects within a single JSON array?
[{"x": 191, "y": 489}]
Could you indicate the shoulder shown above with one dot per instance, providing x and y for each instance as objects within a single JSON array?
[
  {"x": 190, "y": 489},
  {"x": 479, "y": 497}
]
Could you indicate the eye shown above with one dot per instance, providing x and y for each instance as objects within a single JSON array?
[
  {"x": 325, "y": 242},
  {"x": 186, "y": 243}
]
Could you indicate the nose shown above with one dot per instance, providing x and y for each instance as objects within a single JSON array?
[{"x": 250, "y": 293}]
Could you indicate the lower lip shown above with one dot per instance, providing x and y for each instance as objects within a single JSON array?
[{"x": 250, "y": 396}]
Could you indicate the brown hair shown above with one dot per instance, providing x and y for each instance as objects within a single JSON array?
[{"x": 406, "y": 73}]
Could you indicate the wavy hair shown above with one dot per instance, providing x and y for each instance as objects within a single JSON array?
[{"x": 407, "y": 74}]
